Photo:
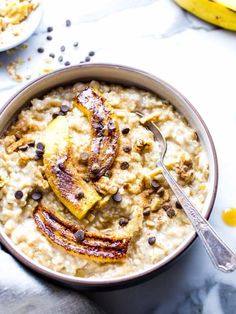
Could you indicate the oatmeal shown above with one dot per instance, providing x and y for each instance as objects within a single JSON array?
[{"x": 131, "y": 199}]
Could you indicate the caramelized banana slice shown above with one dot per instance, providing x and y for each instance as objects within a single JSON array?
[
  {"x": 100, "y": 248},
  {"x": 77, "y": 195},
  {"x": 104, "y": 129}
]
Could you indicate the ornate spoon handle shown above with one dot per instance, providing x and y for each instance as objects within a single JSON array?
[{"x": 221, "y": 255}]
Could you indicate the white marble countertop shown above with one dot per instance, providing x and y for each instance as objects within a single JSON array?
[{"x": 196, "y": 58}]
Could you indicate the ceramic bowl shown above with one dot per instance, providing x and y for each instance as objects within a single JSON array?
[{"x": 125, "y": 76}]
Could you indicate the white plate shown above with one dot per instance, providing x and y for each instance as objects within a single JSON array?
[{"x": 27, "y": 28}]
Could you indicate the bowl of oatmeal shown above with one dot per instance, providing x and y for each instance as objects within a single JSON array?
[
  {"x": 18, "y": 20},
  {"x": 82, "y": 199}
]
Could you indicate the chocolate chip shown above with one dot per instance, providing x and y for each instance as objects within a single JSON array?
[
  {"x": 37, "y": 157},
  {"x": 178, "y": 205},
  {"x": 49, "y": 29},
  {"x": 117, "y": 197},
  {"x": 151, "y": 240},
  {"x": 95, "y": 168},
  {"x": 31, "y": 143},
  {"x": 170, "y": 212},
  {"x": 61, "y": 166},
  {"x": 23, "y": 148},
  {"x": 161, "y": 192},
  {"x": 68, "y": 23},
  {"x": 76, "y": 44},
  {"x": 60, "y": 58},
  {"x": 40, "y": 146},
  {"x": 49, "y": 37},
  {"x": 125, "y": 130},
  {"x": 79, "y": 235},
  {"x": 91, "y": 53},
  {"x": 81, "y": 61},
  {"x": 40, "y": 50},
  {"x": 155, "y": 185},
  {"x": 36, "y": 195},
  {"x": 123, "y": 221},
  {"x": 124, "y": 165},
  {"x": 52, "y": 55},
  {"x": 146, "y": 211},
  {"x": 87, "y": 59},
  {"x": 127, "y": 149},
  {"x": 80, "y": 195},
  {"x": 86, "y": 179},
  {"x": 55, "y": 115},
  {"x": 83, "y": 158},
  {"x": 60, "y": 113},
  {"x": 67, "y": 63},
  {"x": 18, "y": 195},
  {"x": 62, "y": 48},
  {"x": 166, "y": 207},
  {"x": 65, "y": 108},
  {"x": 108, "y": 173}
]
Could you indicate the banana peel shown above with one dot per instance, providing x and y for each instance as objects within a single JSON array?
[
  {"x": 104, "y": 131},
  {"x": 94, "y": 246},
  {"x": 219, "y": 12},
  {"x": 76, "y": 194}
]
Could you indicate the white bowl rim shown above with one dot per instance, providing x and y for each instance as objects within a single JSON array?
[{"x": 127, "y": 279}]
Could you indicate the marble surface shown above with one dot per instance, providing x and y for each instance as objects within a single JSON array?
[{"x": 199, "y": 60}]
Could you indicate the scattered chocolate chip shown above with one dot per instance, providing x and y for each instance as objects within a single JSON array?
[
  {"x": 67, "y": 63},
  {"x": 146, "y": 211},
  {"x": 117, "y": 197},
  {"x": 62, "y": 48},
  {"x": 49, "y": 29},
  {"x": 40, "y": 50},
  {"x": 80, "y": 195},
  {"x": 166, "y": 207},
  {"x": 80, "y": 235},
  {"x": 87, "y": 59},
  {"x": 125, "y": 130},
  {"x": 37, "y": 157},
  {"x": 155, "y": 185},
  {"x": 161, "y": 192},
  {"x": 52, "y": 55},
  {"x": 31, "y": 143},
  {"x": 108, "y": 173},
  {"x": 123, "y": 221},
  {"x": 170, "y": 212},
  {"x": 55, "y": 115},
  {"x": 178, "y": 205},
  {"x": 49, "y": 37},
  {"x": 65, "y": 108},
  {"x": 83, "y": 158},
  {"x": 60, "y": 58},
  {"x": 68, "y": 23},
  {"x": 127, "y": 148},
  {"x": 124, "y": 165},
  {"x": 76, "y": 44},
  {"x": 60, "y": 113},
  {"x": 91, "y": 53},
  {"x": 23, "y": 148},
  {"x": 95, "y": 168},
  {"x": 18, "y": 195},
  {"x": 151, "y": 240},
  {"x": 37, "y": 195},
  {"x": 39, "y": 148}
]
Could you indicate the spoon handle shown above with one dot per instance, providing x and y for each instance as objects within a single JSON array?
[{"x": 221, "y": 255}]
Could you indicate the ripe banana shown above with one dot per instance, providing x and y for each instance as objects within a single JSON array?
[{"x": 219, "y": 12}]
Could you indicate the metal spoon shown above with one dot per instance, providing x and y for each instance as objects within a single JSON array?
[{"x": 222, "y": 257}]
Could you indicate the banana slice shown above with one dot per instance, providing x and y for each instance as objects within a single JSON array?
[
  {"x": 93, "y": 246},
  {"x": 104, "y": 129},
  {"x": 219, "y": 12},
  {"x": 77, "y": 195}
]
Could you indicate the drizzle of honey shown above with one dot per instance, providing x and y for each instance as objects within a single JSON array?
[{"x": 229, "y": 217}]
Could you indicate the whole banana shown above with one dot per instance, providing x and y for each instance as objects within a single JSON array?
[{"x": 219, "y": 12}]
